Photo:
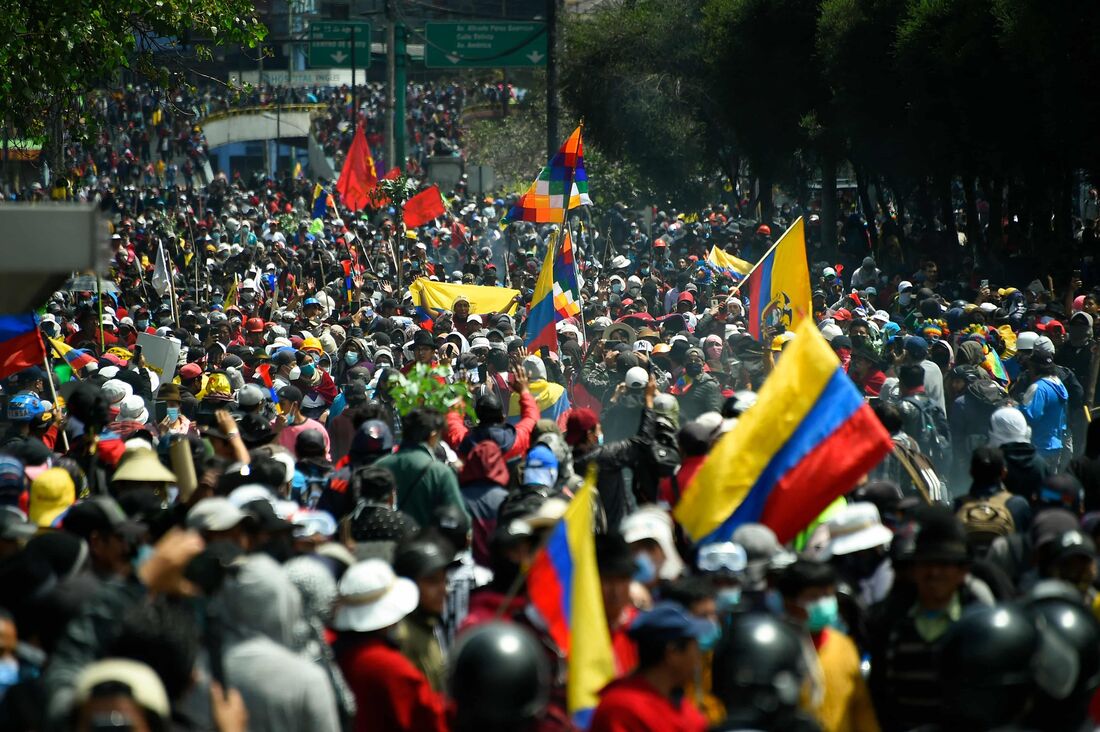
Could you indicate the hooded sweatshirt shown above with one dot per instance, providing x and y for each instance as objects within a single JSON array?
[
  {"x": 262, "y": 610},
  {"x": 1044, "y": 405},
  {"x": 483, "y": 482}
]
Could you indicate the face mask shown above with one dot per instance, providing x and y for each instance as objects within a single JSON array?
[
  {"x": 173, "y": 414},
  {"x": 645, "y": 271},
  {"x": 904, "y": 298},
  {"x": 694, "y": 369},
  {"x": 713, "y": 352},
  {"x": 295, "y": 374},
  {"x": 599, "y": 439},
  {"x": 308, "y": 370},
  {"x": 822, "y": 614},
  {"x": 728, "y": 599},
  {"x": 616, "y": 288},
  {"x": 646, "y": 571},
  {"x": 709, "y": 639},
  {"x": 142, "y": 324},
  {"x": 141, "y": 556},
  {"x": 351, "y": 358}
]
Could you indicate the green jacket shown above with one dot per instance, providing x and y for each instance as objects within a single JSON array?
[
  {"x": 418, "y": 637},
  {"x": 423, "y": 483}
]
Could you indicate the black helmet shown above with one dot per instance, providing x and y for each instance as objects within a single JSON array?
[
  {"x": 1060, "y": 607},
  {"x": 499, "y": 678},
  {"x": 420, "y": 557},
  {"x": 372, "y": 440},
  {"x": 759, "y": 663},
  {"x": 994, "y": 659}
]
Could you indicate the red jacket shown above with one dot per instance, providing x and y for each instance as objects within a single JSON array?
[
  {"x": 632, "y": 704},
  {"x": 455, "y": 431},
  {"x": 391, "y": 694}
]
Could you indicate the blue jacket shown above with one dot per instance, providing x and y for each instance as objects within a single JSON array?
[{"x": 1045, "y": 405}]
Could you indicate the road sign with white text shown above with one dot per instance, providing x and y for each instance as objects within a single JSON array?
[
  {"x": 330, "y": 44},
  {"x": 484, "y": 44}
]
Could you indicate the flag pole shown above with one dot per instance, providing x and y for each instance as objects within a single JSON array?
[
  {"x": 737, "y": 287},
  {"x": 563, "y": 231},
  {"x": 53, "y": 389}
]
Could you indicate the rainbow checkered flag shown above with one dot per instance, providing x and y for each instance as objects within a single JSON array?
[
  {"x": 567, "y": 294},
  {"x": 544, "y": 201}
]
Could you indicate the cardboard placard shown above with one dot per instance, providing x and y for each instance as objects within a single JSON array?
[{"x": 161, "y": 355}]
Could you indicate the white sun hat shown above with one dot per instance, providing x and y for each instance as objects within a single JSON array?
[{"x": 372, "y": 597}]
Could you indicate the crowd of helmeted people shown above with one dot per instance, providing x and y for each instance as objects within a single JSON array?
[{"x": 272, "y": 539}]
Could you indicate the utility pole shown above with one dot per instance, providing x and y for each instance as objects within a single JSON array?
[
  {"x": 354, "y": 104},
  {"x": 400, "y": 37},
  {"x": 552, "y": 140},
  {"x": 391, "y": 78}
]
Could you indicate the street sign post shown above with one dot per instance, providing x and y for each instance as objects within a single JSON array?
[
  {"x": 484, "y": 44},
  {"x": 330, "y": 44}
]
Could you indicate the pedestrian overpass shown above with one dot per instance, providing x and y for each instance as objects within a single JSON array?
[{"x": 285, "y": 129}]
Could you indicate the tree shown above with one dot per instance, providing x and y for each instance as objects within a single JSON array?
[
  {"x": 634, "y": 72},
  {"x": 55, "y": 51}
]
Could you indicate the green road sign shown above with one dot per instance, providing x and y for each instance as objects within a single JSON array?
[
  {"x": 330, "y": 44},
  {"x": 484, "y": 44}
]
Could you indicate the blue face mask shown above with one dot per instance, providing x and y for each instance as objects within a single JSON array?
[
  {"x": 727, "y": 599},
  {"x": 351, "y": 358},
  {"x": 710, "y": 639},
  {"x": 173, "y": 413},
  {"x": 616, "y": 288},
  {"x": 822, "y": 614},
  {"x": 142, "y": 324},
  {"x": 646, "y": 570},
  {"x": 143, "y": 553},
  {"x": 308, "y": 370}
]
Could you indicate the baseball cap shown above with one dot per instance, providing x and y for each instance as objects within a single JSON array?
[
  {"x": 636, "y": 378},
  {"x": 214, "y": 514},
  {"x": 541, "y": 467},
  {"x": 668, "y": 621}
]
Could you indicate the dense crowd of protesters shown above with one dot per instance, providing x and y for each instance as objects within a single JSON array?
[{"x": 271, "y": 539}]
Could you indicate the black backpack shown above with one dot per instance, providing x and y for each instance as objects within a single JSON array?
[{"x": 932, "y": 442}]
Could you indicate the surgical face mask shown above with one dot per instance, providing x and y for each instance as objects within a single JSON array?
[
  {"x": 709, "y": 640},
  {"x": 646, "y": 570},
  {"x": 904, "y": 298},
  {"x": 351, "y": 358},
  {"x": 616, "y": 288},
  {"x": 645, "y": 271},
  {"x": 141, "y": 555},
  {"x": 142, "y": 324},
  {"x": 727, "y": 599},
  {"x": 822, "y": 613},
  {"x": 295, "y": 374},
  {"x": 9, "y": 672},
  {"x": 308, "y": 370},
  {"x": 173, "y": 413},
  {"x": 694, "y": 369}
]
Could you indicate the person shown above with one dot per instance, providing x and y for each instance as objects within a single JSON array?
[
  {"x": 261, "y": 610},
  {"x": 390, "y": 693},
  {"x": 759, "y": 674},
  {"x": 513, "y": 440},
  {"x": 1045, "y": 405},
  {"x": 696, "y": 390},
  {"x": 293, "y": 422},
  {"x": 993, "y": 663},
  {"x": 423, "y": 483},
  {"x": 983, "y": 509},
  {"x": 425, "y": 561},
  {"x": 484, "y": 482},
  {"x": 651, "y": 698},
  {"x": 808, "y": 589},
  {"x": 583, "y": 433},
  {"x": 499, "y": 679},
  {"x": 1024, "y": 470},
  {"x": 906, "y": 630}
]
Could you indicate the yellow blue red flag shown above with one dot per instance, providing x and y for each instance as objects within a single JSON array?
[
  {"x": 564, "y": 586},
  {"x": 807, "y": 440},
  {"x": 779, "y": 288},
  {"x": 725, "y": 262}
]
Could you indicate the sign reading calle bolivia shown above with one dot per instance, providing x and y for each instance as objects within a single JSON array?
[
  {"x": 330, "y": 44},
  {"x": 484, "y": 44}
]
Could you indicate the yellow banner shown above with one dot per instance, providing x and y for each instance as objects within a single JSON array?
[{"x": 442, "y": 296}]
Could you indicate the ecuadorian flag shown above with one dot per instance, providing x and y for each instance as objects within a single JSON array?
[
  {"x": 564, "y": 586},
  {"x": 806, "y": 442},
  {"x": 725, "y": 262},
  {"x": 779, "y": 288},
  {"x": 542, "y": 319}
]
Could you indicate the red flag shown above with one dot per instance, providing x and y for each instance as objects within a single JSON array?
[
  {"x": 380, "y": 199},
  {"x": 423, "y": 207},
  {"x": 392, "y": 173},
  {"x": 358, "y": 177}
]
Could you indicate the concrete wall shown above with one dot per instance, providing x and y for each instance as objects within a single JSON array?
[{"x": 255, "y": 126}]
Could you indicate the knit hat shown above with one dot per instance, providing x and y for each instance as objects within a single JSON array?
[{"x": 578, "y": 424}]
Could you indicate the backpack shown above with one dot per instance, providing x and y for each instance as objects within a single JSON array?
[
  {"x": 664, "y": 451},
  {"x": 932, "y": 443},
  {"x": 986, "y": 518}
]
